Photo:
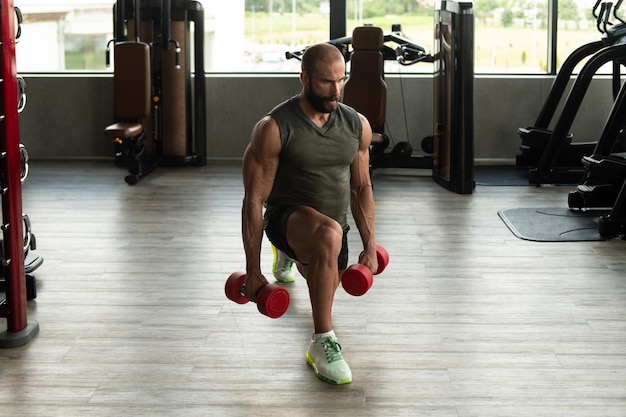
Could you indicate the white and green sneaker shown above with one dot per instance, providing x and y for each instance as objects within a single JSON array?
[
  {"x": 283, "y": 266},
  {"x": 324, "y": 355}
]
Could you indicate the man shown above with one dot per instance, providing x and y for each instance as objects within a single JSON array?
[{"x": 307, "y": 160}]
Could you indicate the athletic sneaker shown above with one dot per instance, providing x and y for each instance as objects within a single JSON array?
[
  {"x": 324, "y": 355},
  {"x": 283, "y": 266}
]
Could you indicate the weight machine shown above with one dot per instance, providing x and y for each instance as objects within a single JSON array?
[
  {"x": 452, "y": 143},
  {"x": 366, "y": 90},
  {"x": 154, "y": 46},
  {"x": 453, "y": 112}
]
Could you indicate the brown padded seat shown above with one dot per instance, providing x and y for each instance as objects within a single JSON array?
[
  {"x": 131, "y": 89},
  {"x": 365, "y": 89}
]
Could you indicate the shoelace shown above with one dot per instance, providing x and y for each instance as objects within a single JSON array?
[
  {"x": 332, "y": 349},
  {"x": 287, "y": 265}
]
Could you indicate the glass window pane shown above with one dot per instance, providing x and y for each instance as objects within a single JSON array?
[
  {"x": 273, "y": 27},
  {"x": 253, "y": 35},
  {"x": 577, "y": 27},
  {"x": 511, "y": 36},
  {"x": 413, "y": 20},
  {"x": 61, "y": 36}
]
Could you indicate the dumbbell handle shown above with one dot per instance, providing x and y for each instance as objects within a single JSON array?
[{"x": 272, "y": 300}]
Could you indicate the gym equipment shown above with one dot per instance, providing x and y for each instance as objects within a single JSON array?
[
  {"x": 175, "y": 128},
  {"x": 614, "y": 223},
  {"x": 605, "y": 169},
  {"x": 452, "y": 144},
  {"x": 357, "y": 279},
  {"x": 366, "y": 69},
  {"x": 20, "y": 330},
  {"x": 602, "y": 182},
  {"x": 560, "y": 160},
  {"x": 547, "y": 171},
  {"x": 131, "y": 86},
  {"x": 534, "y": 138},
  {"x": 453, "y": 109},
  {"x": 272, "y": 300},
  {"x": 366, "y": 91},
  {"x": 32, "y": 261}
]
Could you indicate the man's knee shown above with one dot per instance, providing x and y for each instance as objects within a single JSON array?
[
  {"x": 314, "y": 235},
  {"x": 328, "y": 238}
]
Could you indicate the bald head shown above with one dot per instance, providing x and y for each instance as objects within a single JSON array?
[{"x": 319, "y": 54}]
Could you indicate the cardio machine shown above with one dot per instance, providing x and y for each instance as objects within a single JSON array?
[
  {"x": 551, "y": 155},
  {"x": 605, "y": 168}
]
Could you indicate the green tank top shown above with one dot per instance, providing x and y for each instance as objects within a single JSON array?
[{"x": 314, "y": 162}]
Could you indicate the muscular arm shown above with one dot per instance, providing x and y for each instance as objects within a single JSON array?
[
  {"x": 260, "y": 162},
  {"x": 362, "y": 198}
]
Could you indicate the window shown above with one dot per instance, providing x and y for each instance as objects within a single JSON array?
[
  {"x": 511, "y": 36},
  {"x": 61, "y": 37},
  {"x": 577, "y": 26}
]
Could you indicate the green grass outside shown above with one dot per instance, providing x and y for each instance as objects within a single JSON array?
[{"x": 513, "y": 49}]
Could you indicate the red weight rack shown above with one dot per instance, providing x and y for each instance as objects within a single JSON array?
[{"x": 19, "y": 330}]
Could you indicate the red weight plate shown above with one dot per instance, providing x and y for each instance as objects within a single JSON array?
[
  {"x": 234, "y": 284},
  {"x": 383, "y": 259},
  {"x": 357, "y": 279},
  {"x": 273, "y": 300}
]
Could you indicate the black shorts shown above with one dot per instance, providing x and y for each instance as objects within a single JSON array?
[{"x": 276, "y": 225}]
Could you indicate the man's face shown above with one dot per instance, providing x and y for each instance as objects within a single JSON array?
[{"x": 323, "y": 89}]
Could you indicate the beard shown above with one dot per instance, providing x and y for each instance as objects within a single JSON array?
[{"x": 320, "y": 103}]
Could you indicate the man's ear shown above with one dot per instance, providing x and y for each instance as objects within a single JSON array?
[{"x": 304, "y": 78}]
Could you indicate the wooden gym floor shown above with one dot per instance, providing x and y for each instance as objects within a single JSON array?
[{"x": 467, "y": 320}]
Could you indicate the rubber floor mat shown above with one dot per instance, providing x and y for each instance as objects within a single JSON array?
[
  {"x": 553, "y": 224},
  {"x": 500, "y": 175}
]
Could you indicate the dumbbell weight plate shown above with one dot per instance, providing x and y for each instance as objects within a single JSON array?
[
  {"x": 357, "y": 279},
  {"x": 383, "y": 259},
  {"x": 273, "y": 300},
  {"x": 233, "y": 286}
]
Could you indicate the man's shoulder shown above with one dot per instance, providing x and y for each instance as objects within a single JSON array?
[
  {"x": 286, "y": 106},
  {"x": 346, "y": 109},
  {"x": 350, "y": 114}
]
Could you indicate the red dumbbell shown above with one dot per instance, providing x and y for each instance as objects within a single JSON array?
[
  {"x": 272, "y": 300},
  {"x": 358, "y": 279}
]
